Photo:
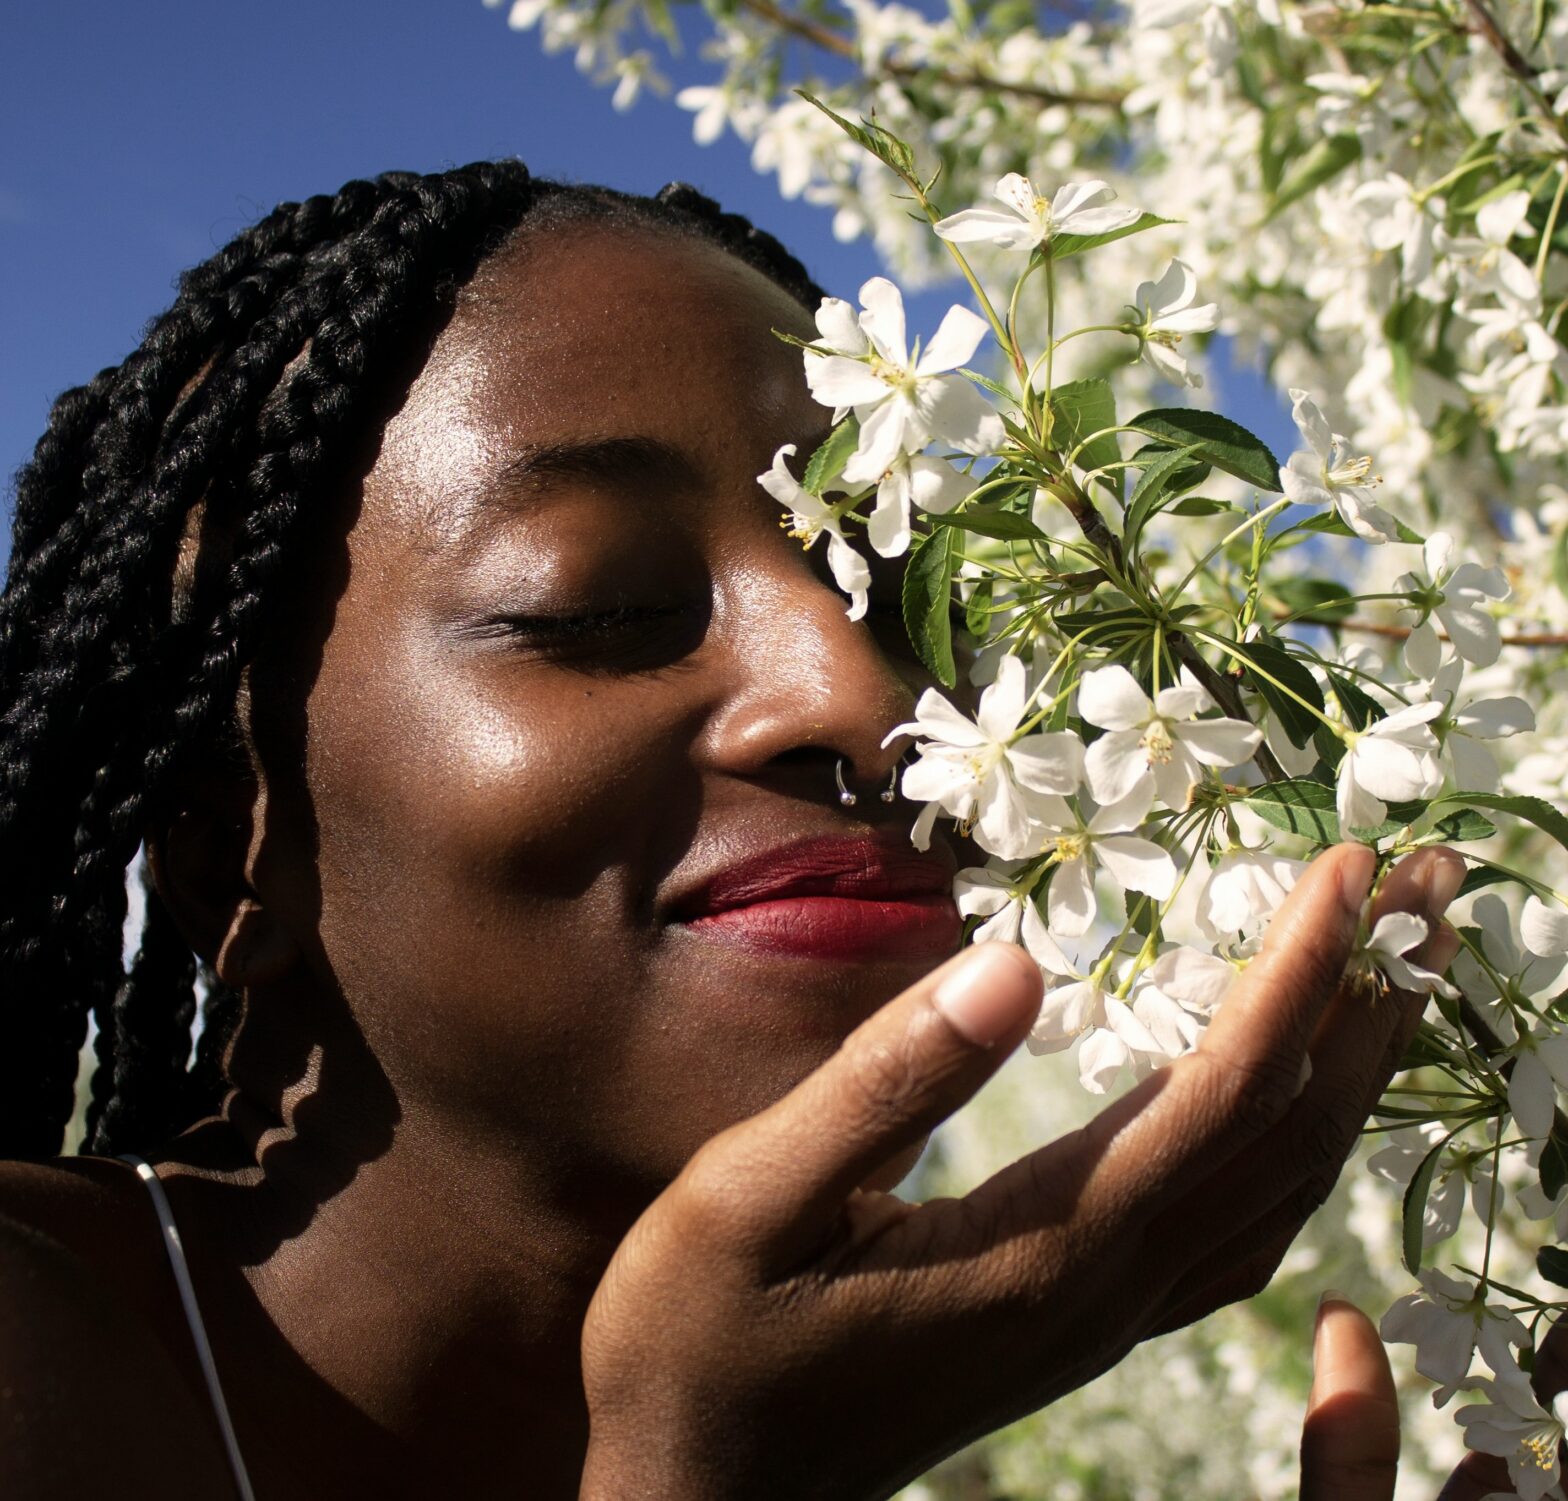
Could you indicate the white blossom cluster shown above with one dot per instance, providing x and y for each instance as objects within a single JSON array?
[
  {"x": 1140, "y": 832},
  {"x": 1179, "y": 668}
]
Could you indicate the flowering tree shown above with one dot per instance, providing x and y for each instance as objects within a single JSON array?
[{"x": 1196, "y": 666}]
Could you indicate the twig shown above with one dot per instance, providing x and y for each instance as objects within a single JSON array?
[
  {"x": 828, "y": 40},
  {"x": 1402, "y": 632}
]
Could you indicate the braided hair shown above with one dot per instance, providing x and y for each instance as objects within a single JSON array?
[{"x": 251, "y": 395}]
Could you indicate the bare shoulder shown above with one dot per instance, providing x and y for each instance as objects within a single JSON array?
[{"x": 91, "y": 1401}]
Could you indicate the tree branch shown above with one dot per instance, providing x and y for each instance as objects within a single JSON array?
[{"x": 828, "y": 40}]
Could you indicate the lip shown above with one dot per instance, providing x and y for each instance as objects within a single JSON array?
[{"x": 831, "y": 898}]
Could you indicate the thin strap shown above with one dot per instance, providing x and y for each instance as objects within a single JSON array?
[{"x": 182, "y": 1277}]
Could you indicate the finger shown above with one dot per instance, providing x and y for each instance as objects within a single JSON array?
[
  {"x": 1350, "y": 1439},
  {"x": 777, "y": 1184},
  {"x": 1549, "y": 1374},
  {"x": 1476, "y": 1477},
  {"x": 1289, "y": 1171}
]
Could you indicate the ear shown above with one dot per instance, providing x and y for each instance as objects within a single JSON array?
[{"x": 201, "y": 863}]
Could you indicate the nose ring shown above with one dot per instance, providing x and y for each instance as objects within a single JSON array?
[{"x": 848, "y": 798}]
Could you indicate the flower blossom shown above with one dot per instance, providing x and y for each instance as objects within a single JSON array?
[
  {"x": 1447, "y": 1322},
  {"x": 1457, "y": 595},
  {"x": 1113, "y": 1035},
  {"x": 810, "y": 517},
  {"x": 1540, "y": 1070},
  {"x": 981, "y": 772},
  {"x": 1544, "y": 929},
  {"x": 1026, "y": 219},
  {"x": 1243, "y": 890},
  {"x": 912, "y": 480},
  {"x": 1392, "y": 760},
  {"x": 993, "y": 892},
  {"x": 903, "y": 401},
  {"x": 1078, "y": 847},
  {"x": 1167, "y": 314},
  {"x": 1161, "y": 740},
  {"x": 1462, "y": 729},
  {"x": 1384, "y": 949},
  {"x": 1322, "y": 474},
  {"x": 1516, "y": 1427},
  {"x": 1459, "y": 1167}
]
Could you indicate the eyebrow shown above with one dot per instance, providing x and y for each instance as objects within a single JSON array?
[{"x": 615, "y": 462}]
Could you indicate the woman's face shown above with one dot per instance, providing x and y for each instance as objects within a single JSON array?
[{"x": 577, "y": 672}]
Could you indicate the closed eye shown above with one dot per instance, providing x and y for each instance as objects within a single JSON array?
[{"x": 627, "y": 638}]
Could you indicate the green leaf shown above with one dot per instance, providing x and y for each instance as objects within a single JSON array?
[
  {"x": 1333, "y": 525},
  {"x": 1153, "y": 485},
  {"x": 1009, "y": 525},
  {"x": 1060, "y": 247},
  {"x": 1105, "y": 628},
  {"x": 1225, "y": 444},
  {"x": 1329, "y": 157},
  {"x": 1299, "y": 807},
  {"x": 1552, "y": 1263},
  {"x": 1358, "y": 706},
  {"x": 1554, "y": 1164},
  {"x": 1413, "y": 1212},
  {"x": 881, "y": 143},
  {"x": 928, "y": 617},
  {"x": 1534, "y": 810},
  {"x": 977, "y": 609},
  {"x": 1314, "y": 601},
  {"x": 1456, "y": 828},
  {"x": 1271, "y": 671},
  {"x": 832, "y": 454},
  {"x": 1200, "y": 505},
  {"x": 1082, "y": 407}
]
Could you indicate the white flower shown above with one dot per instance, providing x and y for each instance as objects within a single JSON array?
[
  {"x": 1077, "y": 848},
  {"x": 1397, "y": 220},
  {"x": 1540, "y": 1070},
  {"x": 1458, "y": 1166},
  {"x": 1392, "y": 760},
  {"x": 1160, "y": 741},
  {"x": 976, "y": 771},
  {"x": 1113, "y": 1035},
  {"x": 1460, "y": 730},
  {"x": 1384, "y": 950},
  {"x": 932, "y": 485},
  {"x": 904, "y": 402},
  {"x": 1027, "y": 219},
  {"x": 992, "y": 892},
  {"x": 1322, "y": 474},
  {"x": 1457, "y": 595},
  {"x": 1167, "y": 315},
  {"x": 1447, "y": 1322},
  {"x": 1544, "y": 929},
  {"x": 1243, "y": 890},
  {"x": 1486, "y": 266},
  {"x": 810, "y": 517},
  {"x": 1515, "y": 1426}
]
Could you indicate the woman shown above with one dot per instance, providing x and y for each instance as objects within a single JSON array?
[{"x": 410, "y": 594}]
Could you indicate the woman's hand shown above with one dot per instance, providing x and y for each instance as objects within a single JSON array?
[
  {"x": 1350, "y": 1439},
  {"x": 770, "y": 1329}
]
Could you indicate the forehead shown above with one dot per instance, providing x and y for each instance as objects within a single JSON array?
[{"x": 587, "y": 334}]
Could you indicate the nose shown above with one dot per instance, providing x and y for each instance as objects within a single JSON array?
[{"x": 807, "y": 687}]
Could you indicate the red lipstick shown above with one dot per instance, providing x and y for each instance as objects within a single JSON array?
[{"x": 831, "y": 898}]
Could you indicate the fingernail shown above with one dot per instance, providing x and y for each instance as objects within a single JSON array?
[
  {"x": 1355, "y": 877},
  {"x": 1441, "y": 949},
  {"x": 1331, "y": 1295},
  {"x": 1441, "y": 881},
  {"x": 986, "y": 995}
]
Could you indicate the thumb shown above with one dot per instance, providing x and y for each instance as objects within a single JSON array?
[
  {"x": 1350, "y": 1440},
  {"x": 776, "y": 1184}
]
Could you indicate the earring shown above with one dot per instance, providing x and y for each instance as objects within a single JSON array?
[
  {"x": 890, "y": 792},
  {"x": 845, "y": 796}
]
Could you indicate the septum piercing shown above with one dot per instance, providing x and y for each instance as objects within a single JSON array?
[{"x": 848, "y": 798}]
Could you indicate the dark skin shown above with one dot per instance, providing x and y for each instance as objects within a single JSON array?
[{"x": 480, "y": 1059}]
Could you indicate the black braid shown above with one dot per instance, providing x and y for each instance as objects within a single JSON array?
[{"x": 257, "y": 390}]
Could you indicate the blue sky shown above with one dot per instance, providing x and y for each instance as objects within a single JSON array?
[{"x": 139, "y": 137}]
